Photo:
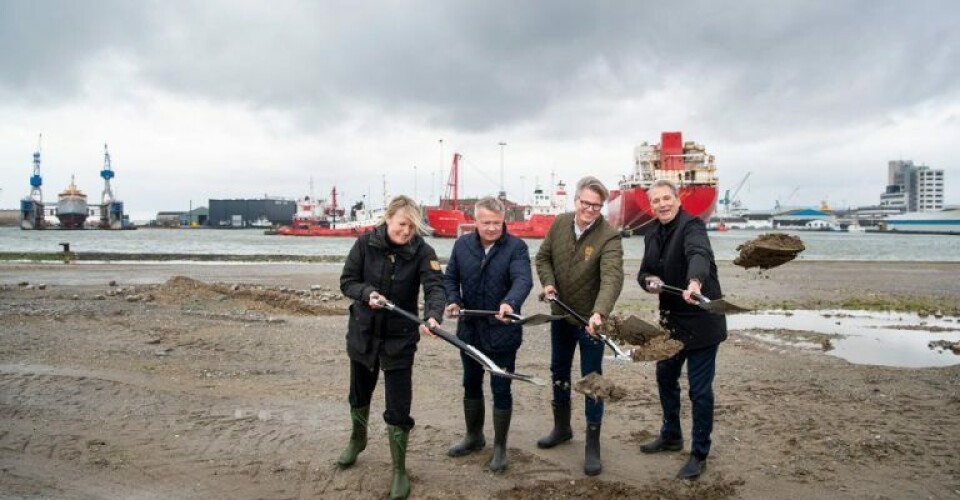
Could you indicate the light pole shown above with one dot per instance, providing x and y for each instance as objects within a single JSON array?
[
  {"x": 415, "y": 197},
  {"x": 503, "y": 193}
]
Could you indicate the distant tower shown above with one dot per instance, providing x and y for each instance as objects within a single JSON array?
[
  {"x": 111, "y": 210},
  {"x": 31, "y": 207},
  {"x": 36, "y": 193},
  {"x": 107, "y": 174}
]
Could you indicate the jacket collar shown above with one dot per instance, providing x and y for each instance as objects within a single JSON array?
[{"x": 378, "y": 239}]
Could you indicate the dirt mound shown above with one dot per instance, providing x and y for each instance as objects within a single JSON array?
[
  {"x": 651, "y": 342},
  {"x": 594, "y": 488},
  {"x": 599, "y": 388},
  {"x": 768, "y": 250},
  {"x": 186, "y": 291}
]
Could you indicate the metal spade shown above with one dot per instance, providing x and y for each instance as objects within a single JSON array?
[{"x": 717, "y": 306}]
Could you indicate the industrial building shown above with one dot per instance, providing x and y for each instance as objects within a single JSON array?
[
  {"x": 913, "y": 188},
  {"x": 264, "y": 212}
]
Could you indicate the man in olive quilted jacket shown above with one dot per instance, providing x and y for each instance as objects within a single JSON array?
[{"x": 581, "y": 263}]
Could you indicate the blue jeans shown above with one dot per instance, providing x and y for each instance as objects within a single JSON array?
[
  {"x": 499, "y": 386},
  {"x": 564, "y": 339},
  {"x": 701, "y": 365}
]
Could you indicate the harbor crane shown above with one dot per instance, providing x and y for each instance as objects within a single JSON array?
[
  {"x": 31, "y": 207},
  {"x": 732, "y": 200},
  {"x": 107, "y": 173}
]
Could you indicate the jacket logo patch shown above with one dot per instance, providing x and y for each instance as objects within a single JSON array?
[
  {"x": 435, "y": 265},
  {"x": 587, "y": 252}
]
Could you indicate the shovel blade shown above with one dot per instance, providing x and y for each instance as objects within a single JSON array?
[{"x": 721, "y": 306}]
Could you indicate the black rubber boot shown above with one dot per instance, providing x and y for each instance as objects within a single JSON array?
[
  {"x": 400, "y": 487},
  {"x": 658, "y": 445},
  {"x": 358, "y": 438},
  {"x": 561, "y": 432},
  {"x": 693, "y": 468},
  {"x": 592, "y": 465},
  {"x": 473, "y": 440},
  {"x": 501, "y": 427}
]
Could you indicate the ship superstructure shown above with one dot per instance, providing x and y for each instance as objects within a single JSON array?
[{"x": 686, "y": 164}]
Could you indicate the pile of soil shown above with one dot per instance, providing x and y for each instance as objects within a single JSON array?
[
  {"x": 768, "y": 250},
  {"x": 652, "y": 343},
  {"x": 184, "y": 290},
  {"x": 598, "y": 489},
  {"x": 599, "y": 388}
]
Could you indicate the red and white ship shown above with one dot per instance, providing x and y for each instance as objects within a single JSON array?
[
  {"x": 332, "y": 220},
  {"x": 539, "y": 215},
  {"x": 687, "y": 165},
  {"x": 452, "y": 218}
]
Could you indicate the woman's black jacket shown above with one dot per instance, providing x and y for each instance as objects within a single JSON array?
[{"x": 396, "y": 272}]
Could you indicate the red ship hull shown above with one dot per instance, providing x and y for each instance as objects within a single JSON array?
[
  {"x": 317, "y": 230},
  {"x": 446, "y": 223},
  {"x": 629, "y": 210},
  {"x": 535, "y": 228}
]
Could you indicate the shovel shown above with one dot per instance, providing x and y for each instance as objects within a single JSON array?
[
  {"x": 618, "y": 353},
  {"x": 514, "y": 318},
  {"x": 718, "y": 306},
  {"x": 471, "y": 351}
]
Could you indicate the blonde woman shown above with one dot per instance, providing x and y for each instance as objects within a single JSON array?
[{"x": 391, "y": 263}]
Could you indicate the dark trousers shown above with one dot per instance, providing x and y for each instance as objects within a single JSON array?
[
  {"x": 398, "y": 393},
  {"x": 564, "y": 339},
  {"x": 499, "y": 386},
  {"x": 701, "y": 365}
]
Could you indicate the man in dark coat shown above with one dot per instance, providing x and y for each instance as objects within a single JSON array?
[
  {"x": 389, "y": 263},
  {"x": 488, "y": 270},
  {"x": 677, "y": 252}
]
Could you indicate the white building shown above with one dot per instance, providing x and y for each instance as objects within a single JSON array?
[{"x": 912, "y": 188}]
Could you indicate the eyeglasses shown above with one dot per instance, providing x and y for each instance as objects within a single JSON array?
[{"x": 591, "y": 206}]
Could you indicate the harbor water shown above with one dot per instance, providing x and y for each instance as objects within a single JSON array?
[{"x": 820, "y": 246}]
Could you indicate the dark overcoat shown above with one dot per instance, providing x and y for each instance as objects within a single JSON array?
[
  {"x": 396, "y": 272},
  {"x": 475, "y": 279},
  {"x": 677, "y": 253}
]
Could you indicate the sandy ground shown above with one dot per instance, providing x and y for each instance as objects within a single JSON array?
[{"x": 177, "y": 389}]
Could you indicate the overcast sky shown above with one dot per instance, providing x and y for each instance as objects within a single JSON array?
[{"x": 229, "y": 99}]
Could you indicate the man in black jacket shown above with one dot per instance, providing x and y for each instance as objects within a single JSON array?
[
  {"x": 389, "y": 263},
  {"x": 677, "y": 252},
  {"x": 489, "y": 270}
]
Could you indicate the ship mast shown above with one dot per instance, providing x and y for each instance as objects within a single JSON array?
[{"x": 452, "y": 195}]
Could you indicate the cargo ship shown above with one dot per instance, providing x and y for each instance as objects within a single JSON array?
[
  {"x": 686, "y": 164},
  {"x": 72, "y": 210},
  {"x": 332, "y": 220},
  {"x": 452, "y": 218}
]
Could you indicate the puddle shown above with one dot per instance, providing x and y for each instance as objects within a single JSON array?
[{"x": 861, "y": 337}]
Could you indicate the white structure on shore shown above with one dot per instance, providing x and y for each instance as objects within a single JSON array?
[{"x": 913, "y": 188}]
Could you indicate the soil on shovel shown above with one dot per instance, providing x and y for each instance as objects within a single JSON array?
[
  {"x": 651, "y": 342},
  {"x": 599, "y": 388},
  {"x": 656, "y": 349},
  {"x": 768, "y": 250}
]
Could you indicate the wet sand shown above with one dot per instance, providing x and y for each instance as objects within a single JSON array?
[{"x": 206, "y": 392}]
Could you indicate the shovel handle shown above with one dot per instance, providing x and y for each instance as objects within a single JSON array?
[
  {"x": 619, "y": 353},
  {"x": 679, "y": 291},
  {"x": 513, "y": 317}
]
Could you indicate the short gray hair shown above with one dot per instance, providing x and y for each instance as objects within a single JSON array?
[
  {"x": 593, "y": 184},
  {"x": 490, "y": 203},
  {"x": 664, "y": 183}
]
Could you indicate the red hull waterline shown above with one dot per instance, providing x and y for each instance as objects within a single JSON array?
[
  {"x": 629, "y": 210},
  {"x": 453, "y": 223},
  {"x": 323, "y": 231}
]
